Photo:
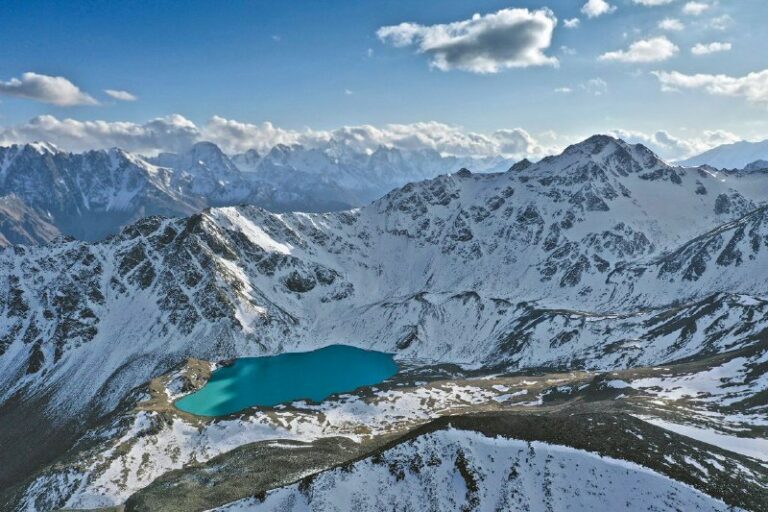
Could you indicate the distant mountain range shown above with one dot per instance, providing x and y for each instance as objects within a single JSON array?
[
  {"x": 731, "y": 156},
  {"x": 46, "y": 192}
]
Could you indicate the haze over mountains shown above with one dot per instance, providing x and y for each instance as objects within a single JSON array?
[{"x": 601, "y": 259}]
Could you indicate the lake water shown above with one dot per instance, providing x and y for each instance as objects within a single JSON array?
[{"x": 272, "y": 380}]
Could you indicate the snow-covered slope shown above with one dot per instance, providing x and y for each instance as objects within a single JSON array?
[
  {"x": 20, "y": 224},
  {"x": 731, "y": 156},
  {"x": 530, "y": 268},
  {"x": 601, "y": 258},
  {"x": 464, "y": 470}
]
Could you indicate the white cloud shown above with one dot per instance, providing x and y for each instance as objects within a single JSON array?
[
  {"x": 674, "y": 148},
  {"x": 753, "y": 87},
  {"x": 47, "y": 89},
  {"x": 595, "y": 8},
  {"x": 695, "y": 8},
  {"x": 647, "y": 50},
  {"x": 170, "y": 133},
  {"x": 596, "y": 86},
  {"x": 517, "y": 142},
  {"x": 671, "y": 24},
  {"x": 121, "y": 95},
  {"x": 567, "y": 50},
  {"x": 653, "y": 3},
  {"x": 176, "y": 133},
  {"x": 721, "y": 22},
  {"x": 509, "y": 38},
  {"x": 572, "y": 23},
  {"x": 705, "y": 49},
  {"x": 564, "y": 90},
  {"x": 236, "y": 136}
]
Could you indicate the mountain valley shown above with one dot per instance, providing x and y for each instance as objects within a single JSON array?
[{"x": 597, "y": 309}]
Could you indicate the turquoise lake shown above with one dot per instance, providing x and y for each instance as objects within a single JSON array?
[{"x": 273, "y": 380}]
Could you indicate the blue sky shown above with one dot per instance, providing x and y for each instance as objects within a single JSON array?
[{"x": 300, "y": 64}]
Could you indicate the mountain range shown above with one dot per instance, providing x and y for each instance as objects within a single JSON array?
[
  {"x": 92, "y": 195},
  {"x": 731, "y": 156},
  {"x": 601, "y": 277}
]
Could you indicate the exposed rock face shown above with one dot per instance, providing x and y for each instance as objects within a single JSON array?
[{"x": 20, "y": 224}]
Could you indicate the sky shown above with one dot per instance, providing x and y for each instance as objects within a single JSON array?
[{"x": 521, "y": 77}]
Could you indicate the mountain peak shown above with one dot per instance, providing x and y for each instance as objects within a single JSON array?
[
  {"x": 205, "y": 149},
  {"x": 757, "y": 165},
  {"x": 521, "y": 165},
  {"x": 605, "y": 149},
  {"x": 43, "y": 147},
  {"x": 596, "y": 144}
]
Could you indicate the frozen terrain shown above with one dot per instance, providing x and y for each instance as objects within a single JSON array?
[{"x": 640, "y": 287}]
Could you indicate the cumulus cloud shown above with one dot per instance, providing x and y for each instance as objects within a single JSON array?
[
  {"x": 595, "y": 8},
  {"x": 47, "y": 89},
  {"x": 671, "y": 24},
  {"x": 753, "y": 86},
  {"x": 716, "y": 47},
  {"x": 237, "y": 136},
  {"x": 120, "y": 95},
  {"x": 646, "y": 50},
  {"x": 674, "y": 148},
  {"x": 167, "y": 133},
  {"x": 176, "y": 133},
  {"x": 509, "y": 38},
  {"x": 695, "y": 8}
]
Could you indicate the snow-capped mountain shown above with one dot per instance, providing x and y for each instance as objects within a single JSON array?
[
  {"x": 364, "y": 176},
  {"x": 207, "y": 172},
  {"x": 605, "y": 227},
  {"x": 93, "y": 194},
  {"x": 603, "y": 257},
  {"x": 731, "y": 156},
  {"x": 89, "y": 195}
]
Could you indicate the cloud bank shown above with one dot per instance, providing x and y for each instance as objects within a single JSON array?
[
  {"x": 509, "y": 38},
  {"x": 177, "y": 133}
]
